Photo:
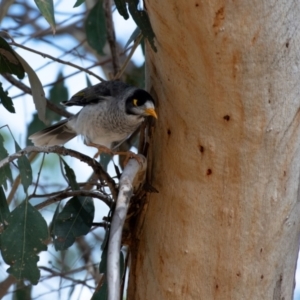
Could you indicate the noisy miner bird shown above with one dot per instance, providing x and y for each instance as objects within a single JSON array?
[{"x": 111, "y": 112}]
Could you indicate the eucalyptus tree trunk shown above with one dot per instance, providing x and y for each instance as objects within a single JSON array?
[{"x": 225, "y": 153}]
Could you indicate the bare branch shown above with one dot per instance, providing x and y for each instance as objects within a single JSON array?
[
  {"x": 6, "y": 284},
  {"x": 58, "y": 60},
  {"x": 66, "y": 194},
  {"x": 132, "y": 177},
  {"x": 101, "y": 174},
  {"x": 111, "y": 36}
]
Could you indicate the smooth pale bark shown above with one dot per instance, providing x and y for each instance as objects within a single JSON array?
[{"x": 226, "y": 156}]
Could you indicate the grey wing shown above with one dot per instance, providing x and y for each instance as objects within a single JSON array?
[{"x": 97, "y": 93}]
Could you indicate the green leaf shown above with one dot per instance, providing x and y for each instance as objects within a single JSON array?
[
  {"x": 72, "y": 289},
  {"x": 9, "y": 62},
  {"x": 51, "y": 226},
  {"x": 122, "y": 264},
  {"x": 133, "y": 36},
  {"x": 95, "y": 28},
  {"x": 122, "y": 8},
  {"x": 38, "y": 94},
  {"x": 35, "y": 125},
  {"x": 5, "y": 172},
  {"x": 143, "y": 45},
  {"x": 88, "y": 82},
  {"x": 57, "y": 94},
  {"x": 142, "y": 21},
  {"x": 74, "y": 220},
  {"x": 25, "y": 169},
  {"x": 78, "y": 2},
  {"x": 71, "y": 176},
  {"x": 47, "y": 10},
  {"x": 24, "y": 237},
  {"x": 5, "y": 100},
  {"x": 102, "y": 294},
  {"x": 103, "y": 262},
  {"x": 4, "y": 210}
]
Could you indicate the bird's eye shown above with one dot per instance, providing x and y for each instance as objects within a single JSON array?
[{"x": 135, "y": 102}]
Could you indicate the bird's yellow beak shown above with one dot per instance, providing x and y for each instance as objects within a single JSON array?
[{"x": 151, "y": 112}]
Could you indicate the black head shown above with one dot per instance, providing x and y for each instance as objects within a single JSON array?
[{"x": 140, "y": 103}]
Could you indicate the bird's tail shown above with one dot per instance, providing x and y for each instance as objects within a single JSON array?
[{"x": 57, "y": 134}]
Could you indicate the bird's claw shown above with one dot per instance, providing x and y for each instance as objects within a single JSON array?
[
  {"x": 130, "y": 155},
  {"x": 127, "y": 154}
]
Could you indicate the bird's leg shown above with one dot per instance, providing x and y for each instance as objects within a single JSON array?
[
  {"x": 101, "y": 149},
  {"x": 129, "y": 155}
]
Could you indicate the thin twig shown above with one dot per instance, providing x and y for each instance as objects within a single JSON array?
[
  {"x": 100, "y": 224},
  {"x": 6, "y": 284},
  {"x": 128, "y": 58},
  {"x": 58, "y": 60},
  {"x": 68, "y": 271},
  {"x": 46, "y": 195},
  {"x": 111, "y": 36},
  {"x": 50, "y": 105},
  {"x": 13, "y": 189},
  {"x": 70, "y": 51},
  {"x": 96, "y": 64},
  {"x": 62, "y": 275},
  {"x": 101, "y": 174},
  {"x": 66, "y": 194}
]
